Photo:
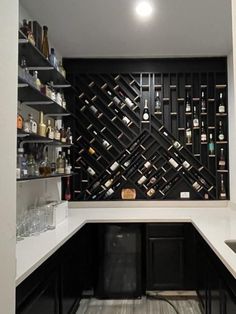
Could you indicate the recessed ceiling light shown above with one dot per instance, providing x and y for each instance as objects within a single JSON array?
[{"x": 144, "y": 9}]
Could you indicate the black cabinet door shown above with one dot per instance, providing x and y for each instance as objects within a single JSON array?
[
  {"x": 165, "y": 265},
  {"x": 229, "y": 301},
  {"x": 214, "y": 292},
  {"x": 44, "y": 299}
]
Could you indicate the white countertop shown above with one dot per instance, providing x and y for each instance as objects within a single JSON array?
[{"x": 214, "y": 224}]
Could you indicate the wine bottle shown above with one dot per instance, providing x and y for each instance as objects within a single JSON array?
[
  {"x": 194, "y": 183},
  {"x": 115, "y": 99},
  {"x": 124, "y": 118},
  {"x": 157, "y": 107},
  {"x": 152, "y": 190},
  {"x": 67, "y": 191},
  {"x": 144, "y": 178},
  {"x": 221, "y": 135},
  {"x": 135, "y": 144},
  {"x": 168, "y": 186},
  {"x": 203, "y": 103},
  {"x": 171, "y": 160},
  {"x": 200, "y": 178},
  {"x": 222, "y": 162},
  {"x": 188, "y": 133},
  {"x": 145, "y": 111},
  {"x": 211, "y": 145},
  {"x": 222, "y": 188},
  {"x": 108, "y": 183},
  {"x": 187, "y": 105},
  {"x": 184, "y": 162},
  {"x": 148, "y": 163},
  {"x": 154, "y": 178},
  {"x": 195, "y": 117},
  {"x": 127, "y": 100},
  {"x": 203, "y": 133},
  {"x": 221, "y": 108},
  {"x": 89, "y": 169}
]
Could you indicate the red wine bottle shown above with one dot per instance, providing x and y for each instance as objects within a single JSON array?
[{"x": 67, "y": 191}]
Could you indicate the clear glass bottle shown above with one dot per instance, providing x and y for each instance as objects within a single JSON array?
[
  {"x": 30, "y": 125},
  {"x": 222, "y": 195},
  {"x": 21, "y": 163},
  {"x": 60, "y": 164},
  {"x": 31, "y": 165},
  {"x": 50, "y": 130},
  {"x": 41, "y": 125},
  {"x": 203, "y": 133},
  {"x": 69, "y": 139},
  {"x": 37, "y": 81},
  {"x": 53, "y": 58},
  {"x": 45, "y": 44},
  {"x": 45, "y": 166}
]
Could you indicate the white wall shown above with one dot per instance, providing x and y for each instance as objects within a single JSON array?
[{"x": 8, "y": 83}]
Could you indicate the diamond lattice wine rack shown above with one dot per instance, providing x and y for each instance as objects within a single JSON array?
[{"x": 159, "y": 127}]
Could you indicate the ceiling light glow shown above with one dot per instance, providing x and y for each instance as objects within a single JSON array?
[{"x": 144, "y": 9}]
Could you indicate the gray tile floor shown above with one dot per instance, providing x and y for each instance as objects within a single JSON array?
[{"x": 140, "y": 306}]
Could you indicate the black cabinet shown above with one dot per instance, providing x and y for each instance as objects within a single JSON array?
[
  {"x": 119, "y": 261},
  {"x": 169, "y": 261}
]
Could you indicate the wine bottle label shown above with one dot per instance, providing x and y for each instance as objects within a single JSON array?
[
  {"x": 91, "y": 151},
  {"x": 222, "y": 195},
  {"x": 145, "y": 116},
  {"x": 211, "y": 147},
  {"x": 93, "y": 109},
  {"x": 147, "y": 164},
  {"x": 108, "y": 183},
  {"x": 109, "y": 192},
  {"x": 57, "y": 136},
  {"x": 222, "y": 163},
  {"x": 195, "y": 122},
  {"x": 221, "y": 109},
  {"x": 126, "y": 120},
  {"x": 105, "y": 143},
  {"x": 188, "y": 108},
  {"x": 114, "y": 166},
  {"x": 151, "y": 192},
  {"x": 129, "y": 102},
  {"x": 221, "y": 136},
  {"x": 186, "y": 164},
  {"x": 196, "y": 185},
  {"x": 91, "y": 171},
  {"x": 116, "y": 100},
  {"x": 203, "y": 137},
  {"x": 173, "y": 163},
  {"x": 177, "y": 144},
  {"x": 142, "y": 180}
]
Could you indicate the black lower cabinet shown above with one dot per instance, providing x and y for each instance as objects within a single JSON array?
[
  {"x": 120, "y": 273},
  {"x": 170, "y": 263}
]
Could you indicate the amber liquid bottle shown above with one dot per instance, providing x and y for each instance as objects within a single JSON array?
[{"x": 45, "y": 45}]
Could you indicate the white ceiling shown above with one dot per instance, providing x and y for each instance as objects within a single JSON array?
[{"x": 109, "y": 28}]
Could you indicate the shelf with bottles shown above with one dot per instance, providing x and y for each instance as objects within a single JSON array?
[
  {"x": 31, "y": 96},
  {"x": 36, "y": 60}
]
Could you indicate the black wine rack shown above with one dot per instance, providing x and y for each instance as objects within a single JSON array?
[{"x": 113, "y": 143}]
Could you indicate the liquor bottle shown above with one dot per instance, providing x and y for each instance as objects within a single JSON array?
[
  {"x": 45, "y": 45},
  {"x": 168, "y": 186},
  {"x": 36, "y": 80},
  {"x": 184, "y": 162},
  {"x": 126, "y": 99},
  {"x": 148, "y": 163},
  {"x": 221, "y": 108},
  {"x": 203, "y": 133},
  {"x": 211, "y": 145},
  {"x": 53, "y": 58},
  {"x": 171, "y": 160},
  {"x": 21, "y": 164},
  {"x": 203, "y": 103},
  {"x": 57, "y": 134},
  {"x": 145, "y": 111},
  {"x": 68, "y": 165},
  {"x": 188, "y": 133},
  {"x": 30, "y": 125},
  {"x": 45, "y": 166},
  {"x": 222, "y": 188},
  {"x": 60, "y": 165},
  {"x": 19, "y": 120},
  {"x": 69, "y": 139},
  {"x": 63, "y": 100},
  {"x": 27, "y": 31},
  {"x": 50, "y": 130},
  {"x": 195, "y": 117},
  {"x": 157, "y": 107},
  {"x": 115, "y": 99},
  {"x": 63, "y": 135},
  {"x": 25, "y": 75},
  {"x": 222, "y": 162},
  {"x": 41, "y": 125},
  {"x": 67, "y": 195},
  {"x": 59, "y": 98},
  {"x": 31, "y": 165},
  {"x": 221, "y": 135},
  {"x": 188, "y": 104}
]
